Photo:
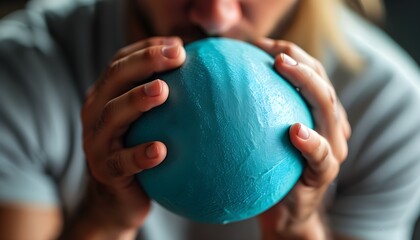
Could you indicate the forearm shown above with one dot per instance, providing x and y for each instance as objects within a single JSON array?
[{"x": 313, "y": 228}]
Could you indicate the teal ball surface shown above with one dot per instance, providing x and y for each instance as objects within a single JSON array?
[{"x": 225, "y": 125}]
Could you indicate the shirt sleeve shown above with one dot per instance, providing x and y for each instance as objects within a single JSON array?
[
  {"x": 24, "y": 169},
  {"x": 378, "y": 188},
  {"x": 23, "y": 172}
]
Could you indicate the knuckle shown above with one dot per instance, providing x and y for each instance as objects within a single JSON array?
[
  {"x": 329, "y": 173},
  {"x": 137, "y": 158},
  {"x": 332, "y": 93},
  {"x": 306, "y": 71},
  {"x": 106, "y": 116},
  {"x": 332, "y": 172},
  {"x": 151, "y": 41},
  {"x": 319, "y": 68},
  {"x": 120, "y": 53},
  {"x": 346, "y": 126},
  {"x": 323, "y": 152},
  {"x": 331, "y": 106},
  {"x": 288, "y": 47},
  {"x": 151, "y": 53},
  {"x": 319, "y": 153},
  {"x": 114, "y": 68},
  {"x": 342, "y": 153},
  {"x": 114, "y": 165},
  {"x": 153, "y": 57},
  {"x": 332, "y": 98},
  {"x": 109, "y": 111}
]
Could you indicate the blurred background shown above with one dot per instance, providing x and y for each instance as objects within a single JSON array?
[{"x": 399, "y": 18}]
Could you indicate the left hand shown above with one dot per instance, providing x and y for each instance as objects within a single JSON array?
[{"x": 299, "y": 214}]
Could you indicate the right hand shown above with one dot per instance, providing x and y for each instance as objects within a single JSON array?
[{"x": 115, "y": 201}]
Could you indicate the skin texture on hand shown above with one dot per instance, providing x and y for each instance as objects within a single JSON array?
[
  {"x": 115, "y": 206},
  {"x": 299, "y": 215}
]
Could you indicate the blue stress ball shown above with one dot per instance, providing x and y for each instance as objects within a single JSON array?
[{"x": 225, "y": 125}]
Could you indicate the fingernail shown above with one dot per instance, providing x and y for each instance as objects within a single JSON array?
[
  {"x": 170, "y": 51},
  {"x": 303, "y": 132},
  {"x": 152, "y": 151},
  {"x": 153, "y": 89},
  {"x": 288, "y": 60}
]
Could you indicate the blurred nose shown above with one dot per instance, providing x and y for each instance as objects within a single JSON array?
[{"x": 215, "y": 16}]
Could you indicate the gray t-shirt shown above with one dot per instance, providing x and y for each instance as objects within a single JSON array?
[{"x": 48, "y": 58}]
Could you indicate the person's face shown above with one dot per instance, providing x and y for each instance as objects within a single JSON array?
[{"x": 195, "y": 19}]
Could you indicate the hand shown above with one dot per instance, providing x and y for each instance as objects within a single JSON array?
[
  {"x": 115, "y": 201},
  {"x": 299, "y": 214}
]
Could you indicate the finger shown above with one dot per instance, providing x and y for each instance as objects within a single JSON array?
[
  {"x": 322, "y": 98},
  {"x": 322, "y": 167},
  {"x": 119, "y": 113},
  {"x": 276, "y": 47},
  {"x": 154, "y": 41},
  {"x": 130, "y": 161},
  {"x": 129, "y": 71},
  {"x": 319, "y": 94},
  {"x": 344, "y": 122},
  {"x": 294, "y": 55}
]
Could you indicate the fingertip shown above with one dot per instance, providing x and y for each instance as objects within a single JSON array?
[
  {"x": 285, "y": 60},
  {"x": 171, "y": 51},
  {"x": 302, "y": 137},
  {"x": 279, "y": 65},
  {"x": 303, "y": 132},
  {"x": 164, "y": 86},
  {"x": 300, "y": 131},
  {"x": 157, "y": 90},
  {"x": 162, "y": 150},
  {"x": 174, "y": 54},
  {"x": 179, "y": 39},
  {"x": 294, "y": 128},
  {"x": 182, "y": 53},
  {"x": 347, "y": 130},
  {"x": 165, "y": 94},
  {"x": 153, "y": 88},
  {"x": 155, "y": 153},
  {"x": 278, "y": 62},
  {"x": 152, "y": 151}
]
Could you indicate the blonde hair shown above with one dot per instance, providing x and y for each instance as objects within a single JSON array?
[{"x": 315, "y": 25}]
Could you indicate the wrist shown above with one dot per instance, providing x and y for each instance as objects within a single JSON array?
[
  {"x": 89, "y": 224},
  {"x": 92, "y": 228},
  {"x": 312, "y": 228},
  {"x": 99, "y": 217}
]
